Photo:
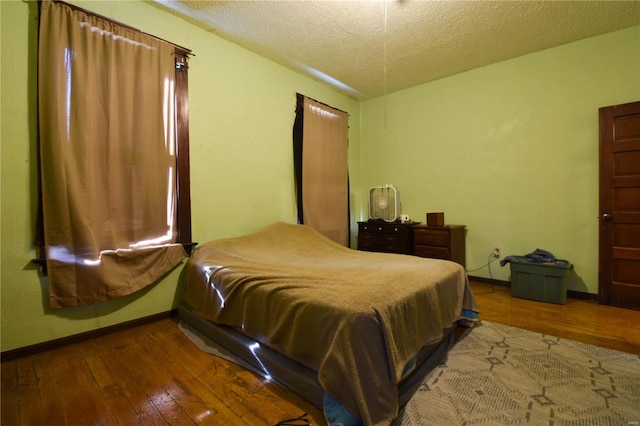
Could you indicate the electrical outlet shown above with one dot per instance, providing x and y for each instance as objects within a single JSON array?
[{"x": 496, "y": 252}]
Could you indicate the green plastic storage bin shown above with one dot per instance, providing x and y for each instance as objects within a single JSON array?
[{"x": 540, "y": 281}]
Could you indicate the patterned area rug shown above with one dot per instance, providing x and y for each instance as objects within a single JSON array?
[{"x": 499, "y": 375}]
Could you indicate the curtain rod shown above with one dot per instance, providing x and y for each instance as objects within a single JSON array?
[
  {"x": 322, "y": 103},
  {"x": 182, "y": 49}
]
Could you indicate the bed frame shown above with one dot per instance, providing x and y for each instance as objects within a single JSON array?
[{"x": 299, "y": 378}]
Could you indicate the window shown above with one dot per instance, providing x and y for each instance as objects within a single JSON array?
[{"x": 113, "y": 156}]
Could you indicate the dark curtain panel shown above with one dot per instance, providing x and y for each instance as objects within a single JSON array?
[{"x": 298, "y": 127}]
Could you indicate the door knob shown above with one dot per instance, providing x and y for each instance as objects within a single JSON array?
[{"x": 606, "y": 217}]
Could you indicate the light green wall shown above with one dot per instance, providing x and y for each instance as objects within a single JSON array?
[
  {"x": 510, "y": 150},
  {"x": 241, "y": 119}
]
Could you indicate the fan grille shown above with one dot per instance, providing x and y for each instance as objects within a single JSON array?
[{"x": 384, "y": 203}]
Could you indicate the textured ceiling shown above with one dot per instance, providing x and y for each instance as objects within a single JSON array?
[{"x": 368, "y": 48}]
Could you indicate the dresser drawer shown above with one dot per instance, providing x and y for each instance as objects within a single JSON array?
[
  {"x": 431, "y": 237},
  {"x": 386, "y": 247},
  {"x": 382, "y": 239},
  {"x": 383, "y": 228},
  {"x": 432, "y": 251}
]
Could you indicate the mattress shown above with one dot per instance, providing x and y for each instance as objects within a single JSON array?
[
  {"x": 356, "y": 318},
  {"x": 233, "y": 346}
]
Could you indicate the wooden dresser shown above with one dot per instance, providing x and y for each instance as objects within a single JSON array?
[
  {"x": 385, "y": 237},
  {"x": 440, "y": 242}
]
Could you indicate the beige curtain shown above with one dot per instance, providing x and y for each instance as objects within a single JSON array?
[
  {"x": 107, "y": 148},
  {"x": 325, "y": 180}
]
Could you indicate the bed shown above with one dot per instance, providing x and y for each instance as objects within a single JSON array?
[{"x": 353, "y": 332}]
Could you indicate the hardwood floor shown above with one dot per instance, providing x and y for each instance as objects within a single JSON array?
[
  {"x": 581, "y": 320},
  {"x": 149, "y": 375},
  {"x": 153, "y": 374}
]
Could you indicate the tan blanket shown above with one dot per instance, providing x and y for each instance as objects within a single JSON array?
[{"x": 355, "y": 317}]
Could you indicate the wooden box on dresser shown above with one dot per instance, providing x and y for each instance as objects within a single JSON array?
[
  {"x": 440, "y": 242},
  {"x": 389, "y": 237}
]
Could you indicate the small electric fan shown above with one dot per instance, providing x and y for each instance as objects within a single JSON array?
[{"x": 384, "y": 203}]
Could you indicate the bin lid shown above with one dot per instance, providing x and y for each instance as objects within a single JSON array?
[{"x": 562, "y": 264}]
